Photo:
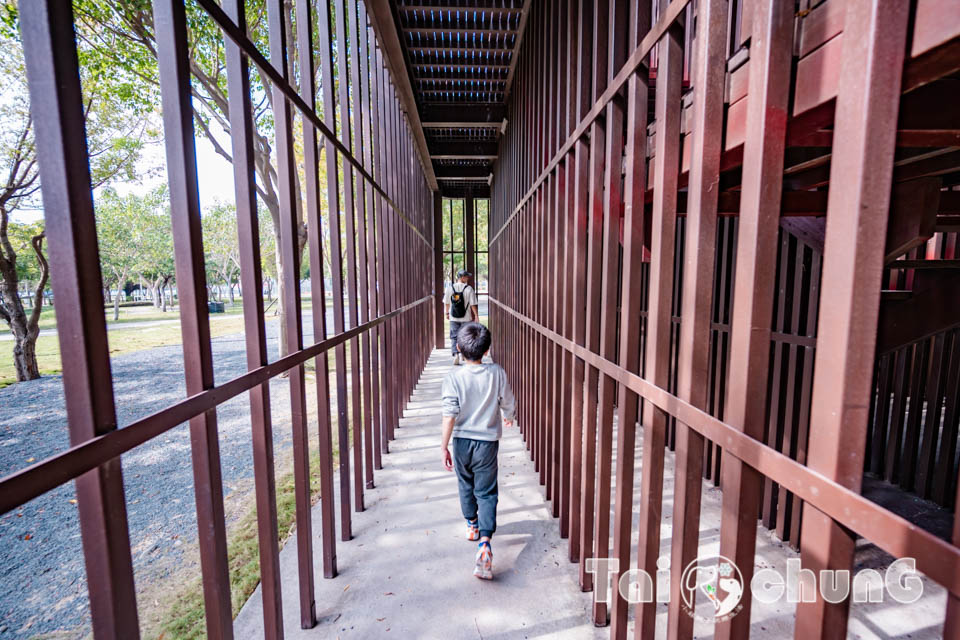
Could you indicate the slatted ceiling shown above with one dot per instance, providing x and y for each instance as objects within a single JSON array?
[
  {"x": 460, "y": 53},
  {"x": 459, "y": 133}
]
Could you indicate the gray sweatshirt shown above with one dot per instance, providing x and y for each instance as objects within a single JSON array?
[{"x": 478, "y": 396}]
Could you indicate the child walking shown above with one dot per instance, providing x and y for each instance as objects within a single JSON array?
[{"x": 477, "y": 399}]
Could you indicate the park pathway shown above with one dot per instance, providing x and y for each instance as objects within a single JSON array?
[{"x": 408, "y": 571}]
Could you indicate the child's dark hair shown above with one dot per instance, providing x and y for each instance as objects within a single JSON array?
[{"x": 474, "y": 341}]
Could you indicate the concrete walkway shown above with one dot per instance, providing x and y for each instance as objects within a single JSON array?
[{"x": 408, "y": 571}]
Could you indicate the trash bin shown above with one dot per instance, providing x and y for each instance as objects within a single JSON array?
[{"x": 215, "y": 307}]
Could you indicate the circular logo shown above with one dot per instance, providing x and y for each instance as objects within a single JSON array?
[{"x": 711, "y": 588}]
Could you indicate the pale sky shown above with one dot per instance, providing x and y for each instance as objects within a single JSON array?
[{"x": 214, "y": 173}]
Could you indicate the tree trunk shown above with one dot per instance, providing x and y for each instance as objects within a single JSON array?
[
  {"x": 155, "y": 293},
  {"x": 281, "y": 303},
  {"x": 116, "y": 301},
  {"x": 24, "y": 340},
  {"x": 231, "y": 294},
  {"x": 25, "y": 328},
  {"x": 25, "y": 357}
]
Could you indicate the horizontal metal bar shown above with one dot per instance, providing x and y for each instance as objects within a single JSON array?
[
  {"x": 475, "y": 9},
  {"x": 628, "y": 69},
  {"x": 426, "y": 31},
  {"x": 26, "y": 484},
  {"x": 461, "y": 157},
  {"x": 461, "y": 125},
  {"x": 449, "y": 80},
  {"x": 445, "y": 65},
  {"x": 935, "y": 557},
  {"x": 493, "y": 113},
  {"x": 253, "y": 53},
  {"x": 457, "y": 47},
  {"x": 924, "y": 264}
]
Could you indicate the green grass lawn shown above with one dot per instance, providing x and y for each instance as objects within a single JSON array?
[
  {"x": 123, "y": 340},
  {"x": 48, "y": 316},
  {"x": 120, "y": 341},
  {"x": 183, "y": 617},
  {"x": 181, "y": 613}
]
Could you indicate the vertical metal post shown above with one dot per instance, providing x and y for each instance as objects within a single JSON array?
[
  {"x": 767, "y": 95},
  {"x": 326, "y": 47},
  {"x": 861, "y": 169},
  {"x": 346, "y": 13},
  {"x": 371, "y": 348},
  {"x": 469, "y": 237},
  {"x": 278, "y": 15},
  {"x": 610, "y": 266},
  {"x": 174, "y": 66},
  {"x": 634, "y": 189},
  {"x": 251, "y": 278},
  {"x": 438, "y": 283},
  {"x": 594, "y": 277},
  {"x": 311, "y": 157},
  {"x": 361, "y": 110},
  {"x": 57, "y": 106},
  {"x": 697, "y": 302},
  {"x": 666, "y": 168}
]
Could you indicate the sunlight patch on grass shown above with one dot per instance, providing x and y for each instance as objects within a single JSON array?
[
  {"x": 120, "y": 341},
  {"x": 185, "y": 616}
]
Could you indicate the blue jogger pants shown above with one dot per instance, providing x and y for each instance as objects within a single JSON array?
[{"x": 475, "y": 462}]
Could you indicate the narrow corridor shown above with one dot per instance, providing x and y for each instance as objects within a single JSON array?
[{"x": 408, "y": 571}]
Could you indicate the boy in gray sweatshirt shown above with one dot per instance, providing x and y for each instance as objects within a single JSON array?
[{"x": 477, "y": 399}]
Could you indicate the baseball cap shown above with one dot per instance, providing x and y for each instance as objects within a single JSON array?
[{"x": 463, "y": 272}]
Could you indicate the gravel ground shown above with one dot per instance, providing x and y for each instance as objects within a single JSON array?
[{"x": 42, "y": 576}]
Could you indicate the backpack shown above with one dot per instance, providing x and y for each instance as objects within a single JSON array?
[{"x": 458, "y": 302}]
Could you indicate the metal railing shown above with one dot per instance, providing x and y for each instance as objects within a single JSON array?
[
  {"x": 384, "y": 206},
  {"x": 571, "y": 186}
]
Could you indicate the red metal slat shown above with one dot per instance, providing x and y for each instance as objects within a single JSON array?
[
  {"x": 936, "y": 558},
  {"x": 174, "y": 67},
  {"x": 630, "y": 321},
  {"x": 251, "y": 279},
  {"x": 289, "y": 250},
  {"x": 657, "y": 347},
  {"x": 318, "y": 292},
  {"x": 361, "y": 106},
  {"x": 697, "y": 304},
  {"x": 861, "y": 170},
  {"x": 349, "y": 131},
  {"x": 616, "y": 36},
  {"x": 769, "y": 79},
  {"x": 58, "y": 114},
  {"x": 326, "y": 46}
]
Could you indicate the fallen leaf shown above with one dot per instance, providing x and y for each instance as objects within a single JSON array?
[
  {"x": 27, "y": 537},
  {"x": 74, "y": 501},
  {"x": 346, "y": 587},
  {"x": 380, "y": 619},
  {"x": 30, "y": 459},
  {"x": 388, "y": 593}
]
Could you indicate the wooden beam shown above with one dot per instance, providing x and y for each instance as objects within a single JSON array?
[
  {"x": 913, "y": 216},
  {"x": 448, "y": 147},
  {"x": 929, "y": 309},
  {"x": 469, "y": 172}
]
